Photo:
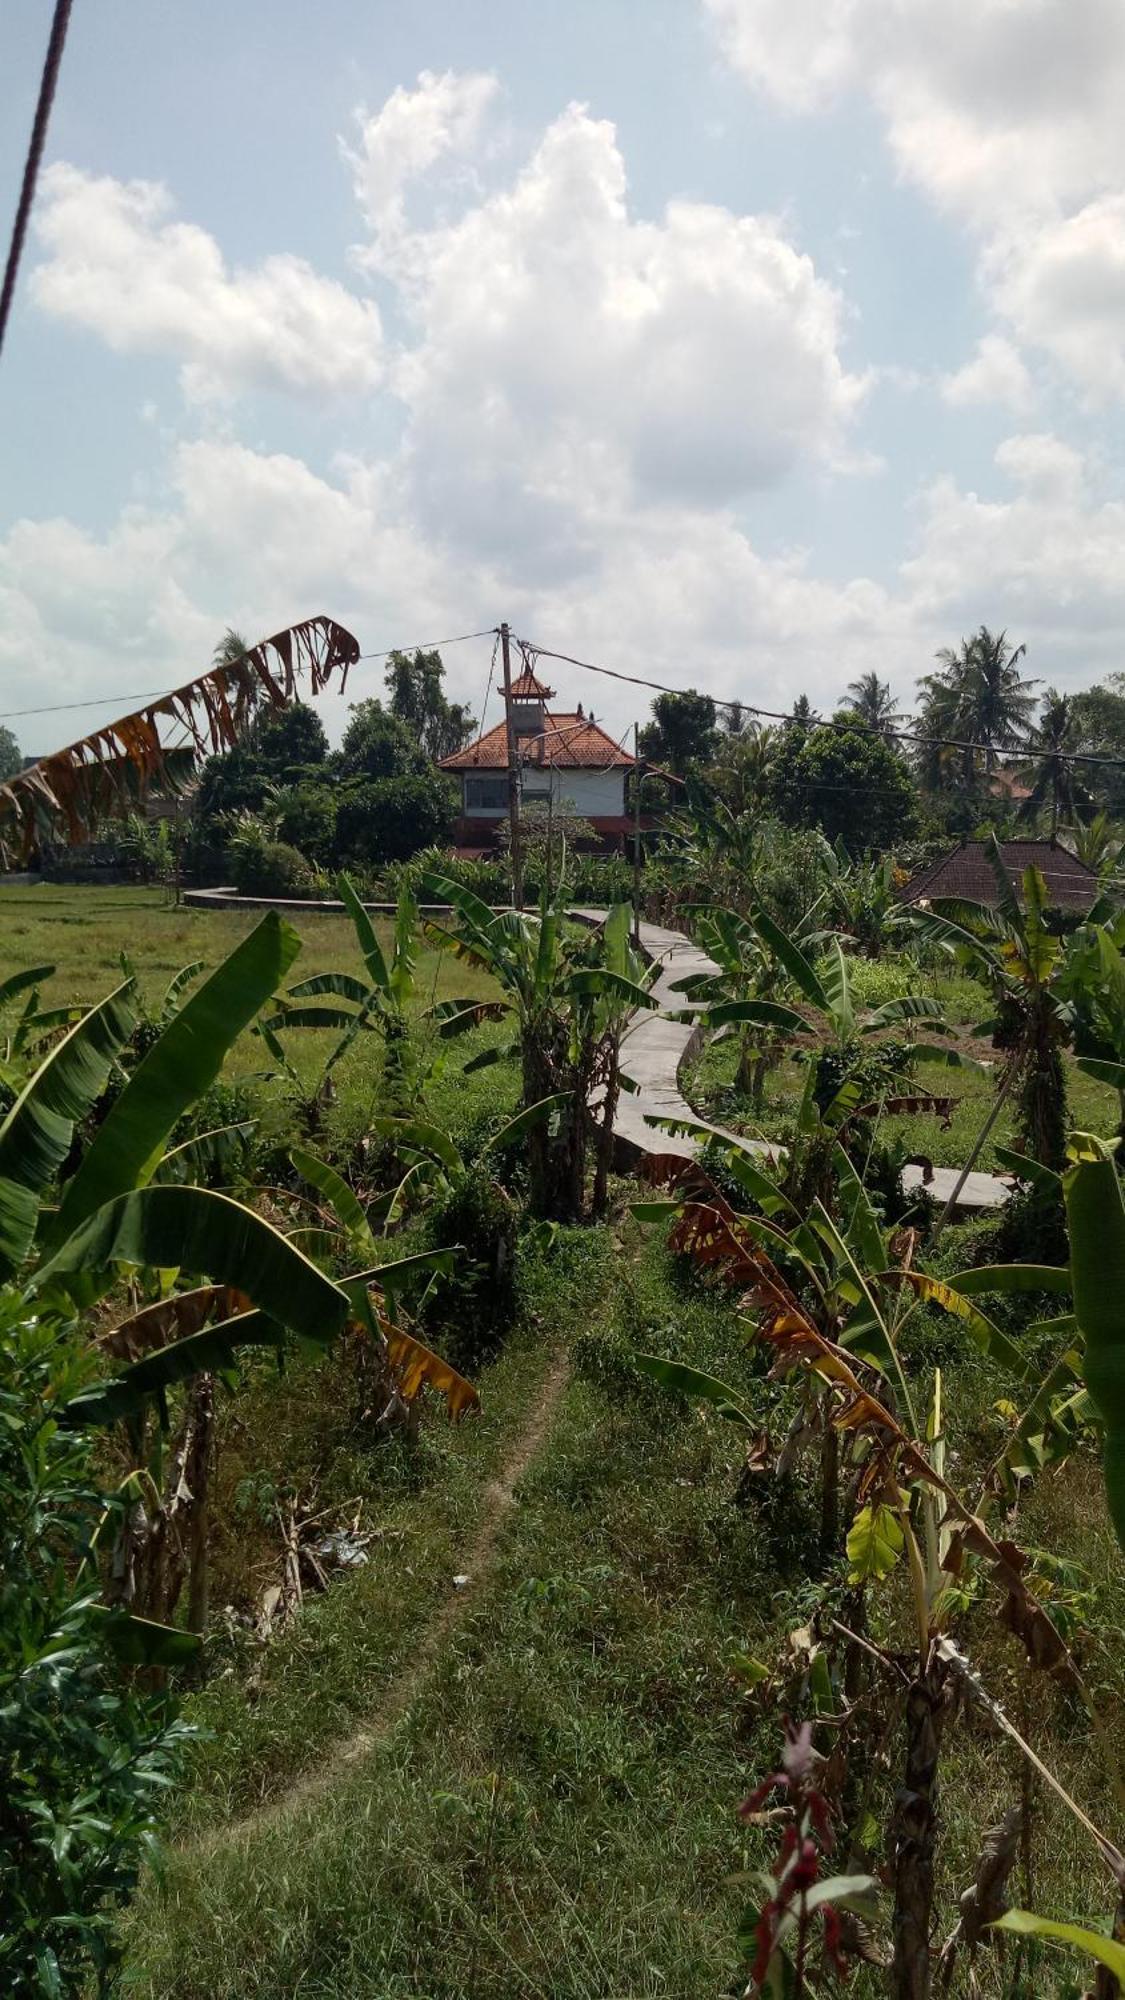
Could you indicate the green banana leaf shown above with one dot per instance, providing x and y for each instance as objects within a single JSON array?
[
  {"x": 1026, "y": 1924},
  {"x": 341, "y": 1198},
  {"x": 205, "y": 1235},
  {"x": 695, "y": 1385},
  {"x": 18, "y": 982},
  {"x": 36, "y": 1135},
  {"x": 214, "y": 1347},
  {"x": 1011, "y": 1278},
  {"x": 177, "y": 1070},
  {"x": 372, "y": 950}
]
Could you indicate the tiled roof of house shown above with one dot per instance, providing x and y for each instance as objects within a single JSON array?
[
  {"x": 528, "y": 688},
  {"x": 965, "y": 872},
  {"x": 568, "y": 743}
]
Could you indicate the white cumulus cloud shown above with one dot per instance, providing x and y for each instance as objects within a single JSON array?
[
  {"x": 562, "y": 347},
  {"x": 1007, "y": 114},
  {"x": 118, "y": 264},
  {"x": 996, "y": 373},
  {"x": 409, "y": 134}
]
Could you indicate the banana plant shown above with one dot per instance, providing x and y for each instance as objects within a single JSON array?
[
  {"x": 746, "y": 971},
  {"x": 567, "y": 997},
  {"x": 826, "y": 1298},
  {"x": 114, "y": 1216},
  {"x": 1021, "y": 959},
  {"x": 381, "y": 1000},
  {"x": 26, "y": 1028}
]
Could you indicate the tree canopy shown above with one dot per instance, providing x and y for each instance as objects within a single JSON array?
[
  {"x": 11, "y": 759},
  {"x": 846, "y": 781},
  {"x": 682, "y": 731},
  {"x": 417, "y": 698},
  {"x": 379, "y": 744}
]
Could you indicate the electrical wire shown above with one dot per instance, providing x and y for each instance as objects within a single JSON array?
[
  {"x": 157, "y": 694},
  {"x": 47, "y": 81},
  {"x": 1023, "y": 751}
]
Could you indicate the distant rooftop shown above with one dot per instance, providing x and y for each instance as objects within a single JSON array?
[
  {"x": 529, "y": 688},
  {"x": 965, "y": 872}
]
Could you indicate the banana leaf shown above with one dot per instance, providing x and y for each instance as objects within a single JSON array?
[
  {"x": 36, "y": 1135},
  {"x": 696, "y": 1386},
  {"x": 177, "y": 1070},
  {"x": 215, "y": 1347},
  {"x": 204, "y": 1235},
  {"x": 340, "y": 1197}
]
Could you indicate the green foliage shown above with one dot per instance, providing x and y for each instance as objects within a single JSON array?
[
  {"x": 1095, "y": 1211},
  {"x": 474, "y": 1305},
  {"x": 681, "y": 733},
  {"x": 306, "y": 820},
  {"x": 11, "y": 757},
  {"x": 379, "y": 744},
  {"x": 83, "y": 1759},
  {"x": 851, "y": 784},
  {"x": 389, "y": 818},
  {"x": 264, "y": 867},
  {"x": 414, "y": 683}
]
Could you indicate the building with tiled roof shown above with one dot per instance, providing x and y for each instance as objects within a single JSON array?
[
  {"x": 966, "y": 873},
  {"x": 565, "y": 757}
]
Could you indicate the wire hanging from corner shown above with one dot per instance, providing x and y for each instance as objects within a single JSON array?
[{"x": 47, "y": 81}]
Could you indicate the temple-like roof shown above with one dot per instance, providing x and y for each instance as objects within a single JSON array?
[
  {"x": 528, "y": 688},
  {"x": 567, "y": 743}
]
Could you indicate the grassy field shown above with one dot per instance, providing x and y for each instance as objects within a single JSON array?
[
  {"x": 90, "y": 934},
  {"x": 506, "y": 1756},
  {"x": 1093, "y": 1107}
]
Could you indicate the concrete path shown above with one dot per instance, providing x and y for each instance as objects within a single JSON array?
[{"x": 655, "y": 1050}]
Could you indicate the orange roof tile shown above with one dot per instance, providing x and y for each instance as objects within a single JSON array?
[
  {"x": 568, "y": 743},
  {"x": 528, "y": 688}
]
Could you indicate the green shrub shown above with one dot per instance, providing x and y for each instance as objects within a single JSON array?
[
  {"x": 269, "y": 868},
  {"x": 306, "y": 819},
  {"x": 83, "y": 1759},
  {"x": 389, "y": 819}
]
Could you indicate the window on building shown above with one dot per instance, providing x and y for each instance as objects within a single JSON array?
[{"x": 486, "y": 794}]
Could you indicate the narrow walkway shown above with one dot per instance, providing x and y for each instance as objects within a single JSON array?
[
  {"x": 655, "y": 1050},
  {"x": 500, "y": 1496}
]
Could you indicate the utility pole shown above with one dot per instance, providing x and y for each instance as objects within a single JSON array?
[
  {"x": 637, "y": 782},
  {"x": 513, "y": 773}
]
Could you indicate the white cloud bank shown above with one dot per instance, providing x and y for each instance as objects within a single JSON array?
[
  {"x": 586, "y": 397},
  {"x": 118, "y": 265},
  {"x": 1007, "y": 114}
]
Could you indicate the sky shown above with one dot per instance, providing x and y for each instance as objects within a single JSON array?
[{"x": 746, "y": 345}]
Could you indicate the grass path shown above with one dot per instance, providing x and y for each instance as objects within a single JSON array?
[{"x": 479, "y": 1562}]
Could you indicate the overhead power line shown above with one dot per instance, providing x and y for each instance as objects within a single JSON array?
[
  {"x": 47, "y": 82},
  {"x": 1024, "y": 751},
  {"x": 157, "y": 694}
]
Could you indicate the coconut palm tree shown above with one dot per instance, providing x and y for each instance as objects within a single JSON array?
[
  {"x": 1098, "y": 844},
  {"x": 871, "y": 700},
  {"x": 1055, "y": 781},
  {"x": 231, "y": 646},
  {"x": 979, "y": 697}
]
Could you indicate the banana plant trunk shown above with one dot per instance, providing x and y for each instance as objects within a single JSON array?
[
  {"x": 605, "y": 1139},
  {"x": 915, "y": 1833}
]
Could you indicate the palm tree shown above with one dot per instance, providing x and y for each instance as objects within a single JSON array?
[
  {"x": 871, "y": 700},
  {"x": 979, "y": 697},
  {"x": 231, "y": 646},
  {"x": 1054, "y": 778},
  {"x": 1098, "y": 844}
]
